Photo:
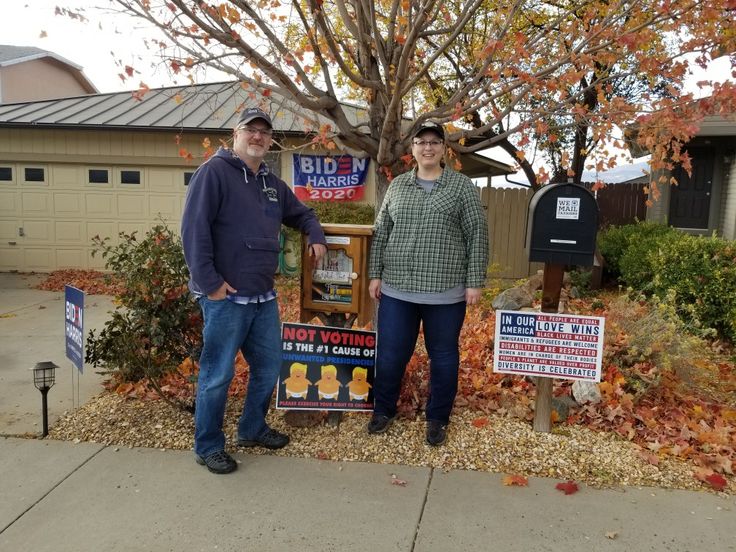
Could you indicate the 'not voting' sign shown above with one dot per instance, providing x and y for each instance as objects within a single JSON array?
[
  {"x": 549, "y": 345},
  {"x": 326, "y": 368}
]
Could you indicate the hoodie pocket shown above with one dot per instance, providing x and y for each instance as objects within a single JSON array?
[{"x": 261, "y": 254}]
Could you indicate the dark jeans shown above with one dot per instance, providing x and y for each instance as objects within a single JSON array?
[{"x": 398, "y": 328}]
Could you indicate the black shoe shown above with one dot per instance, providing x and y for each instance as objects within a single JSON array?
[
  {"x": 436, "y": 433},
  {"x": 379, "y": 423},
  {"x": 270, "y": 439},
  {"x": 218, "y": 462}
]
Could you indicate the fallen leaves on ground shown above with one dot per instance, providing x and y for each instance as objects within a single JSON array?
[
  {"x": 693, "y": 420},
  {"x": 92, "y": 282},
  {"x": 568, "y": 487},
  {"x": 480, "y": 422},
  {"x": 518, "y": 480},
  {"x": 399, "y": 482}
]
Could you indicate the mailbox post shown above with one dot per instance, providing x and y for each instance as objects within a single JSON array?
[{"x": 561, "y": 230}]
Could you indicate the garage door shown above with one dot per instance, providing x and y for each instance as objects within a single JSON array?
[{"x": 49, "y": 213}]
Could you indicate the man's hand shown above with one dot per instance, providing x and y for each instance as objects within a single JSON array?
[
  {"x": 316, "y": 252},
  {"x": 374, "y": 289},
  {"x": 221, "y": 292},
  {"x": 472, "y": 295}
]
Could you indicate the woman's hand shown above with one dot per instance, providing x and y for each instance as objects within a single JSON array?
[
  {"x": 472, "y": 295},
  {"x": 374, "y": 289}
]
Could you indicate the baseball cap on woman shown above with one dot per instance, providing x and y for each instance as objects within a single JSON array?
[{"x": 437, "y": 128}]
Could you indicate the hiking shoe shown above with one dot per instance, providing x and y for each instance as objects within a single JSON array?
[
  {"x": 379, "y": 423},
  {"x": 270, "y": 439},
  {"x": 218, "y": 462},
  {"x": 436, "y": 433}
]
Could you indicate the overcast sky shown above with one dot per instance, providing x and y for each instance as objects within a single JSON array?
[{"x": 103, "y": 46}]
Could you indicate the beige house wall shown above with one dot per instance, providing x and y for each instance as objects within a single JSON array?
[
  {"x": 50, "y": 210},
  {"x": 38, "y": 79},
  {"x": 728, "y": 214}
]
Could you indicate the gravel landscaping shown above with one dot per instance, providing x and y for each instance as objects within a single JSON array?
[{"x": 475, "y": 442}]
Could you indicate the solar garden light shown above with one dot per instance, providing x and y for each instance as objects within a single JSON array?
[{"x": 44, "y": 376}]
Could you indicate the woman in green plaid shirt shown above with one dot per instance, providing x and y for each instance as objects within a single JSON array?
[{"x": 428, "y": 261}]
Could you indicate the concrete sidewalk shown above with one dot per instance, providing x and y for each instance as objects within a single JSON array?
[
  {"x": 58, "y": 496},
  {"x": 61, "y": 496}
]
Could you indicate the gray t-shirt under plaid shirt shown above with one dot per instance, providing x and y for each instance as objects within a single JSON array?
[{"x": 430, "y": 242}]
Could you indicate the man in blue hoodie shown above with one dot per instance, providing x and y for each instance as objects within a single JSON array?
[{"x": 230, "y": 229}]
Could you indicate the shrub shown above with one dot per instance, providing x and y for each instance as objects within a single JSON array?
[
  {"x": 343, "y": 212},
  {"x": 625, "y": 249},
  {"x": 156, "y": 324},
  {"x": 701, "y": 271},
  {"x": 647, "y": 339}
]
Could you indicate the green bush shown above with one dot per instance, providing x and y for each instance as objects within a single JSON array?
[
  {"x": 343, "y": 212},
  {"x": 156, "y": 324},
  {"x": 637, "y": 262},
  {"x": 699, "y": 272},
  {"x": 702, "y": 273},
  {"x": 625, "y": 249}
]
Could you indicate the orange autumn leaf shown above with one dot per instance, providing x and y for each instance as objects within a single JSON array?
[
  {"x": 480, "y": 422},
  {"x": 518, "y": 480}
]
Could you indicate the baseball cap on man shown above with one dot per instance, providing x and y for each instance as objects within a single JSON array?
[
  {"x": 437, "y": 128},
  {"x": 251, "y": 114}
]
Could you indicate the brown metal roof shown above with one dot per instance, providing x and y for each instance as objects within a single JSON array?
[{"x": 205, "y": 107}]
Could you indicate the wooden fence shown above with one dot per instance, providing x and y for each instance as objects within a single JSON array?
[
  {"x": 620, "y": 204},
  {"x": 506, "y": 211}
]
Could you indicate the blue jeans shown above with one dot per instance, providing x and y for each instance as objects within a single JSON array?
[
  {"x": 255, "y": 329},
  {"x": 398, "y": 328}
]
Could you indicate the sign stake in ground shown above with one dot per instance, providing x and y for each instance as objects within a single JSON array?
[{"x": 551, "y": 289}]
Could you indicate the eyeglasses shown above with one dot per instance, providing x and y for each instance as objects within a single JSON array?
[
  {"x": 431, "y": 143},
  {"x": 262, "y": 131}
]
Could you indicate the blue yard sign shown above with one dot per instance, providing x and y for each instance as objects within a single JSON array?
[{"x": 74, "y": 325}]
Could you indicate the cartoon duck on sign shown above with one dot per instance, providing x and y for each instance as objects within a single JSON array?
[
  {"x": 297, "y": 383},
  {"x": 328, "y": 386},
  {"x": 358, "y": 387}
]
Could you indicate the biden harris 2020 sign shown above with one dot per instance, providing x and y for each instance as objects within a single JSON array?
[{"x": 330, "y": 178}]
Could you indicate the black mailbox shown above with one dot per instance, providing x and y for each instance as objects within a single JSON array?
[{"x": 562, "y": 225}]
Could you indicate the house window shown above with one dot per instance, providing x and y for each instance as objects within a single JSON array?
[
  {"x": 34, "y": 174},
  {"x": 130, "y": 177},
  {"x": 6, "y": 174},
  {"x": 98, "y": 176},
  {"x": 187, "y": 177}
]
